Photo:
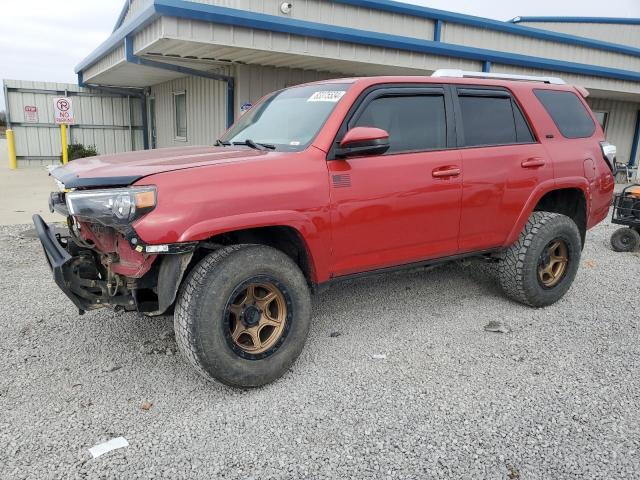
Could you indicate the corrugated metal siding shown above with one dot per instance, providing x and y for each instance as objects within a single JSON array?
[
  {"x": 111, "y": 59},
  {"x": 206, "y": 100},
  {"x": 323, "y": 11},
  {"x": 312, "y": 48},
  {"x": 506, "y": 42},
  {"x": 253, "y": 82},
  {"x": 101, "y": 120},
  {"x": 135, "y": 6},
  {"x": 206, "y": 111},
  {"x": 622, "y": 34},
  {"x": 147, "y": 35},
  {"x": 338, "y": 14},
  {"x": 620, "y": 124}
]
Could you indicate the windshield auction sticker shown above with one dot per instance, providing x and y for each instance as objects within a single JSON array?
[{"x": 326, "y": 96}]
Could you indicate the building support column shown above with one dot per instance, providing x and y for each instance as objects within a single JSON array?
[
  {"x": 125, "y": 92},
  {"x": 635, "y": 141},
  {"x": 132, "y": 58}
]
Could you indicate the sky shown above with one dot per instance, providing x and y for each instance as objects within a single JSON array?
[{"x": 44, "y": 39}]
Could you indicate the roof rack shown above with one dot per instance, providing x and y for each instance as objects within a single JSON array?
[{"x": 446, "y": 72}]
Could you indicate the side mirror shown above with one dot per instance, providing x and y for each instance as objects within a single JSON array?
[{"x": 363, "y": 141}]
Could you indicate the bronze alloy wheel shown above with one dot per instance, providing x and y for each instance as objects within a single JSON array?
[
  {"x": 239, "y": 300},
  {"x": 552, "y": 264},
  {"x": 257, "y": 317}
]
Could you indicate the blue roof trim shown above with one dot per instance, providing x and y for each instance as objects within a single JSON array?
[
  {"x": 137, "y": 23},
  {"x": 612, "y": 20},
  {"x": 508, "y": 27},
  {"x": 242, "y": 18},
  {"x": 123, "y": 13}
]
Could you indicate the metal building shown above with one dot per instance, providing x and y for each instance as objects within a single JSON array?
[
  {"x": 199, "y": 62},
  {"x": 110, "y": 121}
]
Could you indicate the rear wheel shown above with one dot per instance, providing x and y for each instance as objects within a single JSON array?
[
  {"x": 625, "y": 240},
  {"x": 540, "y": 267},
  {"x": 243, "y": 315}
]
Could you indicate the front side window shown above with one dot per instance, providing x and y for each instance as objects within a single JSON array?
[
  {"x": 289, "y": 119},
  {"x": 567, "y": 112},
  {"x": 414, "y": 122},
  {"x": 180, "y": 104},
  {"x": 488, "y": 120}
]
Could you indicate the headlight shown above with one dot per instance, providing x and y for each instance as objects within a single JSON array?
[{"x": 115, "y": 207}]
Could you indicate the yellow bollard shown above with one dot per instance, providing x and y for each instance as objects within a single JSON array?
[
  {"x": 11, "y": 144},
  {"x": 63, "y": 138}
]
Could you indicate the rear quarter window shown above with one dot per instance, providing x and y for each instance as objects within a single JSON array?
[{"x": 568, "y": 113}]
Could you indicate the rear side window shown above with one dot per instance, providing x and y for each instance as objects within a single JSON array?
[
  {"x": 488, "y": 120},
  {"x": 567, "y": 112},
  {"x": 414, "y": 122}
]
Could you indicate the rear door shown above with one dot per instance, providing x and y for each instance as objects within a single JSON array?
[
  {"x": 502, "y": 162},
  {"x": 402, "y": 206}
]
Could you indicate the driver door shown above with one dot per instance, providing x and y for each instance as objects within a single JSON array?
[{"x": 402, "y": 206}]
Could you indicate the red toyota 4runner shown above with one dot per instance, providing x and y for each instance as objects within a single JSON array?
[{"x": 323, "y": 181}]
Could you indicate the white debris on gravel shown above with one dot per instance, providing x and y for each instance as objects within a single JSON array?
[
  {"x": 557, "y": 398},
  {"x": 113, "y": 444}
]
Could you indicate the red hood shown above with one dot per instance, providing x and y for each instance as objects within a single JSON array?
[{"x": 125, "y": 168}]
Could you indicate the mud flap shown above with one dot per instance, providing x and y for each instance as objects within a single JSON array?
[{"x": 170, "y": 276}]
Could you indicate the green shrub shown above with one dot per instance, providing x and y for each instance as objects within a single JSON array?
[{"x": 78, "y": 150}]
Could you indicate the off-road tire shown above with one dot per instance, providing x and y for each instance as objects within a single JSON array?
[
  {"x": 199, "y": 321},
  {"x": 625, "y": 240},
  {"x": 518, "y": 265}
]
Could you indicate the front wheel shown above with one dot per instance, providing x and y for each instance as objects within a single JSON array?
[
  {"x": 540, "y": 267},
  {"x": 243, "y": 315}
]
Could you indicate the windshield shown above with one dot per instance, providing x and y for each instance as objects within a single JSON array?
[{"x": 289, "y": 119}]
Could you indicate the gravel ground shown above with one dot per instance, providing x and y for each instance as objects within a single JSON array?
[{"x": 556, "y": 397}]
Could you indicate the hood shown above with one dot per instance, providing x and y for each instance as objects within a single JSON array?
[{"x": 126, "y": 168}]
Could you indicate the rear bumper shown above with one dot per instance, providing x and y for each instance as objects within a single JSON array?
[{"x": 57, "y": 258}]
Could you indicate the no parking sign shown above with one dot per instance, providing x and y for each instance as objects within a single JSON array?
[{"x": 63, "y": 111}]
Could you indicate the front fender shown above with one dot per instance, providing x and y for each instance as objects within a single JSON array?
[{"x": 309, "y": 231}]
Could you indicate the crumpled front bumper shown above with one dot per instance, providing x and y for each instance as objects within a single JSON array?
[
  {"x": 57, "y": 257},
  {"x": 79, "y": 274}
]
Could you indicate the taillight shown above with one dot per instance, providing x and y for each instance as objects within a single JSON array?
[{"x": 609, "y": 154}]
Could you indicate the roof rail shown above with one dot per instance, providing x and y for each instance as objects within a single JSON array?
[{"x": 446, "y": 72}]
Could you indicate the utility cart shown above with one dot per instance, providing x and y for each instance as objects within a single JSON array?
[{"x": 626, "y": 211}]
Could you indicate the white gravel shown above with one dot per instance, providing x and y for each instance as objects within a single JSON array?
[{"x": 556, "y": 396}]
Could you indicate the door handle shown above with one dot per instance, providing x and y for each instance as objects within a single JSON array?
[
  {"x": 532, "y": 162},
  {"x": 444, "y": 172}
]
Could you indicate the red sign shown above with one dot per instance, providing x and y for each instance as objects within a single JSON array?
[{"x": 30, "y": 114}]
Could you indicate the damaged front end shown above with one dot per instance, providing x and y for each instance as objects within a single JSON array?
[{"x": 102, "y": 262}]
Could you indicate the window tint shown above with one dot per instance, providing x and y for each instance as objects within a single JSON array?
[
  {"x": 568, "y": 113},
  {"x": 180, "y": 104},
  {"x": 490, "y": 120},
  {"x": 523, "y": 132},
  {"x": 414, "y": 122}
]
